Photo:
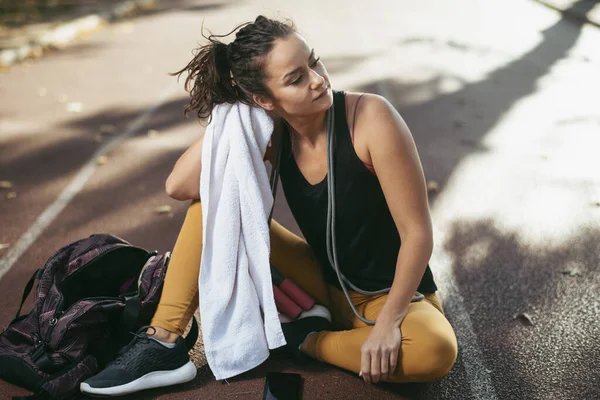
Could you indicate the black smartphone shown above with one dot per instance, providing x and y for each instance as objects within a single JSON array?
[{"x": 283, "y": 386}]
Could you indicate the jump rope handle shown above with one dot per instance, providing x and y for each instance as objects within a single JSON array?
[{"x": 287, "y": 291}]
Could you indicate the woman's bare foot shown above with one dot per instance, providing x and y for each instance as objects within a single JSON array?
[{"x": 162, "y": 334}]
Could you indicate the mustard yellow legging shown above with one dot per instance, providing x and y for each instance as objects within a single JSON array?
[{"x": 429, "y": 346}]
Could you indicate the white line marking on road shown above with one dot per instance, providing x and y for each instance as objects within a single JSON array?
[
  {"x": 86, "y": 172},
  {"x": 478, "y": 375}
]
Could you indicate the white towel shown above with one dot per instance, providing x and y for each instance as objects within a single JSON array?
[{"x": 235, "y": 277}]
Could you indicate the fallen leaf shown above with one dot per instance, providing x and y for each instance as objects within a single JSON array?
[
  {"x": 6, "y": 184},
  {"x": 102, "y": 160},
  {"x": 153, "y": 133},
  {"x": 74, "y": 107},
  {"x": 524, "y": 317},
  {"x": 37, "y": 52},
  {"x": 163, "y": 209},
  {"x": 572, "y": 270},
  {"x": 42, "y": 92},
  {"x": 4, "y": 246},
  {"x": 433, "y": 186},
  {"x": 108, "y": 128},
  {"x": 11, "y": 195}
]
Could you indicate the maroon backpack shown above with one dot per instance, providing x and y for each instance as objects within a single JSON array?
[{"x": 91, "y": 294}]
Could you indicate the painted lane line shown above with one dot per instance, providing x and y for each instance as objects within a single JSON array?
[{"x": 75, "y": 186}]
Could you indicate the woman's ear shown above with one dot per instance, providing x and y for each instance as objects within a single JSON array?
[{"x": 264, "y": 102}]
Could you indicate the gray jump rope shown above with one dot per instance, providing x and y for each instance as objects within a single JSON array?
[{"x": 331, "y": 245}]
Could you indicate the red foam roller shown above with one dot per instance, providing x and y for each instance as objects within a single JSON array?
[
  {"x": 285, "y": 304},
  {"x": 299, "y": 296}
]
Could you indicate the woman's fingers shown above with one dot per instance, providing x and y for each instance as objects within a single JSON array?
[
  {"x": 376, "y": 358},
  {"x": 385, "y": 365},
  {"x": 365, "y": 365},
  {"x": 393, "y": 362}
]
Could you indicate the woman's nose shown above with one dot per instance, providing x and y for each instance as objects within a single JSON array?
[{"x": 318, "y": 80}]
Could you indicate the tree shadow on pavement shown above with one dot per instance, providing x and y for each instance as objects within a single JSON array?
[
  {"x": 80, "y": 148},
  {"x": 449, "y": 128}
]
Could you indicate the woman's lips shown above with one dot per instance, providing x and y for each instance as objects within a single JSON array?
[{"x": 322, "y": 94}]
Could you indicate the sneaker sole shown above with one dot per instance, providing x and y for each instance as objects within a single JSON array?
[
  {"x": 316, "y": 311},
  {"x": 149, "y": 381}
]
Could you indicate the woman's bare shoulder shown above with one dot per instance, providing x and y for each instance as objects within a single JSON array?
[
  {"x": 365, "y": 108},
  {"x": 359, "y": 103}
]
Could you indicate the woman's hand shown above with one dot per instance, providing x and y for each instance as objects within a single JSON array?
[{"x": 379, "y": 353}]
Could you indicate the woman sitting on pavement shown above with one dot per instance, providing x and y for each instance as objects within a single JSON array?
[{"x": 382, "y": 202}]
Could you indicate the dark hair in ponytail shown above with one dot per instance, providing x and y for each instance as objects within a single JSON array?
[{"x": 226, "y": 73}]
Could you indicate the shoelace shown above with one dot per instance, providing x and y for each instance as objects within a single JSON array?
[{"x": 139, "y": 334}]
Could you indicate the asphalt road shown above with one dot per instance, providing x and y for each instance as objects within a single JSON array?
[{"x": 501, "y": 99}]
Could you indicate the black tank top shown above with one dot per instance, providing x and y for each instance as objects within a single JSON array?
[{"x": 366, "y": 236}]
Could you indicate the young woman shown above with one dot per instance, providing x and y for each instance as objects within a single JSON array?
[{"x": 381, "y": 204}]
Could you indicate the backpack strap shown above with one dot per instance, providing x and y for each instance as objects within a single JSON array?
[
  {"x": 130, "y": 314},
  {"x": 36, "y": 275}
]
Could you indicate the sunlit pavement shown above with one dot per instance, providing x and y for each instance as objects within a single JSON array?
[{"x": 501, "y": 98}]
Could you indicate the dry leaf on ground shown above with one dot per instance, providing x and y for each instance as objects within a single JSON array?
[
  {"x": 573, "y": 269},
  {"x": 524, "y": 317},
  {"x": 11, "y": 195},
  {"x": 6, "y": 184},
  {"x": 102, "y": 160},
  {"x": 74, "y": 107},
  {"x": 164, "y": 209},
  {"x": 433, "y": 186},
  {"x": 4, "y": 246}
]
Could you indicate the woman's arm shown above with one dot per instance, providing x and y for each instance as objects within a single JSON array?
[
  {"x": 400, "y": 173},
  {"x": 184, "y": 181}
]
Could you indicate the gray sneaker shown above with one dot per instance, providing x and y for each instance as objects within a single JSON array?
[{"x": 143, "y": 364}]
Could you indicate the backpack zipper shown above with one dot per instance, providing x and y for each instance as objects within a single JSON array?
[{"x": 42, "y": 345}]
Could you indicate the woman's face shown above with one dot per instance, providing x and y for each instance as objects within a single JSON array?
[{"x": 297, "y": 79}]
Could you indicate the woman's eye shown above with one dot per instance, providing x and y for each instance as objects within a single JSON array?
[{"x": 314, "y": 64}]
